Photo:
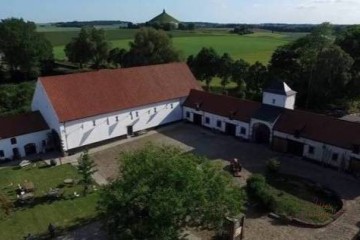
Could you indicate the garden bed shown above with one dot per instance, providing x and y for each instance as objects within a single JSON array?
[{"x": 298, "y": 200}]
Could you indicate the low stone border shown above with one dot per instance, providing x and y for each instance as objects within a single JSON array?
[{"x": 303, "y": 223}]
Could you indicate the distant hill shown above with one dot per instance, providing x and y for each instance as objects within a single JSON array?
[{"x": 164, "y": 18}]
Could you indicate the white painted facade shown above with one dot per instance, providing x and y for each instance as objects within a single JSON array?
[
  {"x": 41, "y": 102},
  {"x": 37, "y": 138},
  {"x": 278, "y": 100},
  {"x": 322, "y": 152},
  {"x": 217, "y": 122},
  {"x": 82, "y": 132}
]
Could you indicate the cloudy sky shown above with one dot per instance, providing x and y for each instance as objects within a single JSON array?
[{"x": 225, "y": 11}]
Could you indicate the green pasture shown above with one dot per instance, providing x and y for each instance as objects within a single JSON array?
[{"x": 252, "y": 48}]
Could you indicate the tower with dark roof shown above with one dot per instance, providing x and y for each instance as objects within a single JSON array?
[{"x": 279, "y": 94}]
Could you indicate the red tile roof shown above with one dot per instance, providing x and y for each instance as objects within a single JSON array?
[
  {"x": 319, "y": 128},
  {"x": 22, "y": 124},
  {"x": 82, "y": 95},
  {"x": 221, "y": 105}
]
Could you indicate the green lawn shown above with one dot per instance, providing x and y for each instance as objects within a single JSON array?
[
  {"x": 252, "y": 48},
  {"x": 34, "y": 219}
]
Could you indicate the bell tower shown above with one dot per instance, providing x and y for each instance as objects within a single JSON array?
[{"x": 279, "y": 94}]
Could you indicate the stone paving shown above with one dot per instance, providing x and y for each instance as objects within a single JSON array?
[{"x": 217, "y": 146}]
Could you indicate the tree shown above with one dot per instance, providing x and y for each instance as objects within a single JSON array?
[
  {"x": 25, "y": 51},
  {"x": 225, "y": 67},
  {"x": 162, "y": 190},
  {"x": 239, "y": 73},
  {"x": 90, "y": 46},
  {"x": 256, "y": 79},
  {"x": 99, "y": 47},
  {"x": 205, "y": 65},
  {"x": 151, "y": 47},
  {"x": 86, "y": 168},
  {"x": 117, "y": 57},
  {"x": 79, "y": 49}
]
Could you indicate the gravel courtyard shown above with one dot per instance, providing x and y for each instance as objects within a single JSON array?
[{"x": 216, "y": 146}]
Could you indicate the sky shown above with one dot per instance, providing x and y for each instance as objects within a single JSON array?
[{"x": 222, "y": 11}]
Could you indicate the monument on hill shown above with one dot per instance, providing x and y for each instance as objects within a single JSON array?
[{"x": 164, "y": 20}]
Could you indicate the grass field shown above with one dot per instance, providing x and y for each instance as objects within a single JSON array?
[
  {"x": 252, "y": 48},
  {"x": 34, "y": 219}
]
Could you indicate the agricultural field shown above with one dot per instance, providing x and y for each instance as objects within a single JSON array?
[{"x": 255, "y": 47}]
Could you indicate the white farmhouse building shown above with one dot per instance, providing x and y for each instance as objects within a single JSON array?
[
  {"x": 22, "y": 135},
  {"x": 88, "y": 108},
  {"x": 326, "y": 140}
]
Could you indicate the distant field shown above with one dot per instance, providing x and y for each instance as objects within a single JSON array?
[{"x": 252, "y": 48}]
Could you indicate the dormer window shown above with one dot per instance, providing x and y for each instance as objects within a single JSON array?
[
  {"x": 197, "y": 106},
  {"x": 273, "y": 101},
  {"x": 232, "y": 115}
]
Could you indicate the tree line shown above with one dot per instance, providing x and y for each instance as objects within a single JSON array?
[
  {"x": 24, "y": 53},
  {"x": 149, "y": 47},
  {"x": 249, "y": 78}
]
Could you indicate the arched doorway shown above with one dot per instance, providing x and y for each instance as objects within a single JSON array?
[
  {"x": 261, "y": 133},
  {"x": 30, "y": 149}
]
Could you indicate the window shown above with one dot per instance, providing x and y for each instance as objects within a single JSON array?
[
  {"x": 116, "y": 118},
  {"x": 137, "y": 114},
  {"x": 207, "y": 120},
  {"x": 155, "y": 110},
  {"x": 2, "y": 154},
  {"x": 311, "y": 150},
  {"x": 131, "y": 115},
  {"x": 243, "y": 130},
  {"x": 218, "y": 123},
  {"x": 94, "y": 123},
  {"x": 43, "y": 143},
  {"x": 13, "y": 141},
  {"x": 187, "y": 115},
  {"x": 171, "y": 105},
  {"x": 335, "y": 157},
  {"x": 273, "y": 101},
  {"x": 108, "y": 121}
]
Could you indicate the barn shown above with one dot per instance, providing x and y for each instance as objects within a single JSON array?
[{"x": 93, "y": 107}]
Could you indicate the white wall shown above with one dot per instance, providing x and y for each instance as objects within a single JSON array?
[
  {"x": 213, "y": 119},
  {"x": 279, "y": 100},
  {"x": 322, "y": 152},
  {"x": 42, "y": 103},
  {"x": 21, "y": 141},
  {"x": 82, "y": 132},
  {"x": 290, "y": 102}
]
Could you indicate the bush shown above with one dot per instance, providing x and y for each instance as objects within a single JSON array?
[
  {"x": 53, "y": 162},
  {"x": 273, "y": 166},
  {"x": 259, "y": 190}
]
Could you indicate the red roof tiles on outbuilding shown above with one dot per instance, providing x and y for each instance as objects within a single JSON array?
[
  {"x": 237, "y": 109},
  {"x": 82, "y": 95},
  {"x": 21, "y": 124},
  {"x": 319, "y": 128}
]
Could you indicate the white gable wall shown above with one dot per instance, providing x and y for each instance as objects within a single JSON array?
[
  {"x": 21, "y": 141},
  {"x": 82, "y": 132},
  {"x": 41, "y": 102}
]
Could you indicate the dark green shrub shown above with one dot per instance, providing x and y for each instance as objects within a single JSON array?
[{"x": 272, "y": 166}]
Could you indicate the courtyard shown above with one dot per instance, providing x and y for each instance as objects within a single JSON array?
[{"x": 219, "y": 147}]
